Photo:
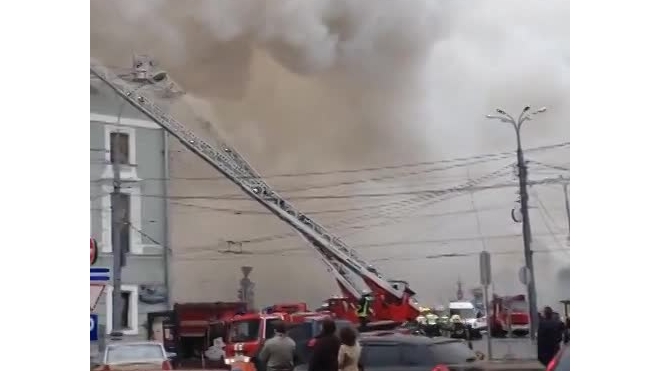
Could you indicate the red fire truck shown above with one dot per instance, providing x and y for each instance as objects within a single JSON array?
[{"x": 509, "y": 314}]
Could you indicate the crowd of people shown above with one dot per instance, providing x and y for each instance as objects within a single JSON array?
[
  {"x": 330, "y": 352},
  {"x": 342, "y": 353}
]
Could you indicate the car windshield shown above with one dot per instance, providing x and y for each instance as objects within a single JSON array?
[
  {"x": 300, "y": 332},
  {"x": 244, "y": 330},
  {"x": 270, "y": 327},
  {"x": 518, "y": 306},
  {"x": 134, "y": 353},
  {"x": 466, "y": 313}
]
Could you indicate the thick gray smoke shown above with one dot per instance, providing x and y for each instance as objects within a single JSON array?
[{"x": 303, "y": 85}]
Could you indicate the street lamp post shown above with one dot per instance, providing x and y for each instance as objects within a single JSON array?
[
  {"x": 143, "y": 76},
  {"x": 525, "y": 115}
]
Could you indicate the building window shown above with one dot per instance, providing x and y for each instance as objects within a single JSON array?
[
  {"x": 125, "y": 310},
  {"x": 121, "y": 210},
  {"x": 119, "y": 148},
  {"x": 129, "y": 309},
  {"x": 121, "y": 139},
  {"x": 129, "y": 199}
]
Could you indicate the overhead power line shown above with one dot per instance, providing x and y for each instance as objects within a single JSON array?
[
  {"x": 465, "y": 254},
  {"x": 396, "y": 206},
  {"x": 238, "y": 254},
  {"x": 555, "y": 167},
  {"x": 324, "y": 211},
  {"x": 238, "y": 197},
  {"x": 233, "y": 255},
  {"x": 489, "y": 156}
]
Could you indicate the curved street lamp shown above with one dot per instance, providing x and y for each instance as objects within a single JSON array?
[{"x": 525, "y": 115}]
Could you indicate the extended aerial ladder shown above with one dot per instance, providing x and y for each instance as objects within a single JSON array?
[{"x": 335, "y": 253}]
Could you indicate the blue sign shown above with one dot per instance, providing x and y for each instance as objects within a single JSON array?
[
  {"x": 93, "y": 327},
  {"x": 99, "y": 274}
]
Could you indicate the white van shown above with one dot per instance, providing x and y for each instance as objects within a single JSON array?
[{"x": 468, "y": 313}]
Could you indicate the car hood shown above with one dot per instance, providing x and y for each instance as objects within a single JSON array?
[{"x": 135, "y": 366}]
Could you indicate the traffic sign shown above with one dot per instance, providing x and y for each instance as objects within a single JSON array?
[
  {"x": 99, "y": 274},
  {"x": 484, "y": 268},
  {"x": 93, "y": 327},
  {"x": 525, "y": 276},
  {"x": 93, "y": 251},
  {"x": 95, "y": 291}
]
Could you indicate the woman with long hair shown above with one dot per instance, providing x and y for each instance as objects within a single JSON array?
[{"x": 349, "y": 351}]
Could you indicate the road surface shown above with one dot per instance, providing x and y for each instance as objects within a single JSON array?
[{"x": 519, "y": 348}]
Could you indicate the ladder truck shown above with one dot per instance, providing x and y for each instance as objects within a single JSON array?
[{"x": 393, "y": 298}]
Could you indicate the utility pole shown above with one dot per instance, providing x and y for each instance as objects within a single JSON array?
[
  {"x": 524, "y": 205},
  {"x": 118, "y": 220},
  {"x": 143, "y": 74},
  {"x": 567, "y": 203}
]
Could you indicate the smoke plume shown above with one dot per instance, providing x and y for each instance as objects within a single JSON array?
[{"x": 324, "y": 84}]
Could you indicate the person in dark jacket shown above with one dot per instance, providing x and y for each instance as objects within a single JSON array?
[
  {"x": 549, "y": 336},
  {"x": 326, "y": 349}
]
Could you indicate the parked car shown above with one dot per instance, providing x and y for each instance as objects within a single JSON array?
[
  {"x": 385, "y": 351},
  {"x": 121, "y": 356},
  {"x": 562, "y": 361}
]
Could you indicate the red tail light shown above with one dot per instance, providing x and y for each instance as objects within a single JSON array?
[
  {"x": 440, "y": 368},
  {"x": 553, "y": 363},
  {"x": 166, "y": 365}
]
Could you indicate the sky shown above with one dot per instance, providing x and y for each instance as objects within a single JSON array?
[{"x": 325, "y": 85}]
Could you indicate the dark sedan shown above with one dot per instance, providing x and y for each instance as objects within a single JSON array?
[{"x": 391, "y": 351}]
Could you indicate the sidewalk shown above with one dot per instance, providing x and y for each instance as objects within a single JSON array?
[{"x": 514, "y": 365}]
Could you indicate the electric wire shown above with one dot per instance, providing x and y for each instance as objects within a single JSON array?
[
  {"x": 547, "y": 221},
  {"x": 398, "y": 206},
  {"x": 428, "y": 192},
  {"x": 493, "y": 156},
  {"x": 555, "y": 167}
]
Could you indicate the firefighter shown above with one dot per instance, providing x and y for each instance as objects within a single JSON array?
[
  {"x": 444, "y": 318},
  {"x": 445, "y": 324},
  {"x": 364, "y": 305},
  {"x": 432, "y": 318},
  {"x": 421, "y": 319},
  {"x": 457, "y": 326},
  {"x": 432, "y": 327}
]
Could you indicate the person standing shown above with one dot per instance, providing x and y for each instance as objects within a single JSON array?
[
  {"x": 549, "y": 336},
  {"x": 278, "y": 352},
  {"x": 364, "y": 305},
  {"x": 349, "y": 351},
  {"x": 326, "y": 348}
]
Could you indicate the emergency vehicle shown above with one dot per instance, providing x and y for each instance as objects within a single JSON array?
[
  {"x": 509, "y": 314},
  {"x": 469, "y": 314},
  {"x": 393, "y": 299}
]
